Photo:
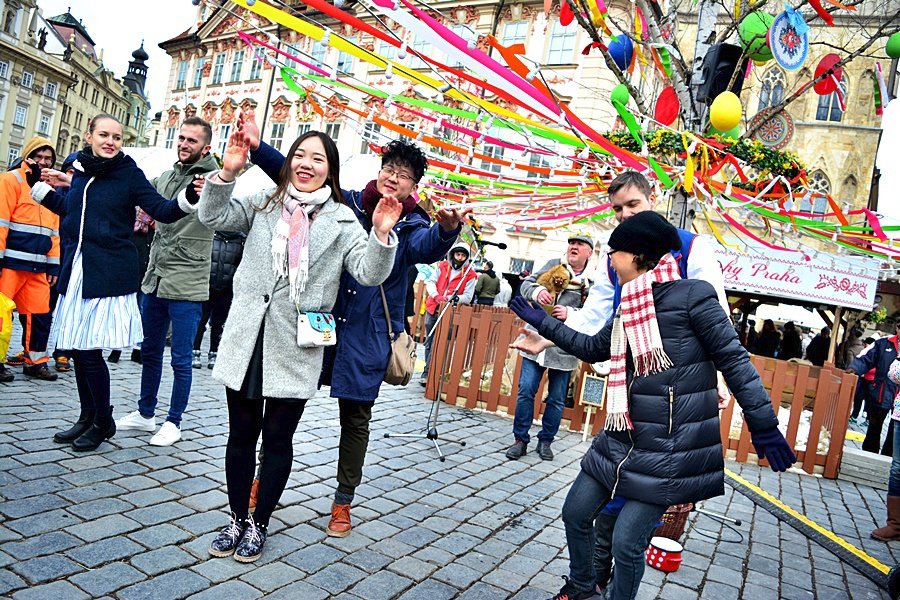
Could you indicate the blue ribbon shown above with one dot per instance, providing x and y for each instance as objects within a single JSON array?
[{"x": 796, "y": 20}]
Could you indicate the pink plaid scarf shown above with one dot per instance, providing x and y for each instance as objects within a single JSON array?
[
  {"x": 290, "y": 242},
  {"x": 635, "y": 325}
]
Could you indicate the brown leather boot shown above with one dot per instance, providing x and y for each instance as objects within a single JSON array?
[
  {"x": 254, "y": 494},
  {"x": 339, "y": 525},
  {"x": 891, "y": 531}
]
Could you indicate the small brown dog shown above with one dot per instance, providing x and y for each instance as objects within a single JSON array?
[{"x": 555, "y": 280}]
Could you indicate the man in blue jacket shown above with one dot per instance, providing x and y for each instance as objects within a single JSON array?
[{"x": 355, "y": 366}]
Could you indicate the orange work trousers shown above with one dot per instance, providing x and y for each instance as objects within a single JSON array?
[{"x": 31, "y": 293}]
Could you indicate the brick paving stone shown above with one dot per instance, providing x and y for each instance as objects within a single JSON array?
[
  {"x": 101, "y": 507},
  {"x": 158, "y": 513},
  {"x": 86, "y": 493},
  {"x": 160, "y": 535},
  {"x": 430, "y": 590},
  {"x": 457, "y": 575},
  {"x": 103, "y": 527},
  {"x": 218, "y": 570},
  {"x": 47, "y": 543},
  {"x": 58, "y": 590},
  {"x": 383, "y": 584},
  {"x": 228, "y": 589},
  {"x": 162, "y": 560},
  {"x": 45, "y": 568},
  {"x": 10, "y": 581},
  {"x": 314, "y": 558},
  {"x": 168, "y": 586},
  {"x": 336, "y": 577},
  {"x": 107, "y": 579},
  {"x": 104, "y": 551},
  {"x": 301, "y": 589},
  {"x": 272, "y": 576},
  {"x": 368, "y": 560}
]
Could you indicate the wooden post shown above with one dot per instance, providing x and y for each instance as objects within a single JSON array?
[{"x": 834, "y": 333}]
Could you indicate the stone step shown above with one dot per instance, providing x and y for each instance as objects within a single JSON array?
[{"x": 865, "y": 468}]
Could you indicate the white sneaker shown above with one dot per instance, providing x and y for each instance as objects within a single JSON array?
[
  {"x": 167, "y": 435},
  {"x": 134, "y": 420}
]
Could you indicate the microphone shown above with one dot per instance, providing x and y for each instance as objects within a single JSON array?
[{"x": 474, "y": 225}]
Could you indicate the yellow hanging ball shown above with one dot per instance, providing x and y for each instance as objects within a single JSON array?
[{"x": 725, "y": 112}]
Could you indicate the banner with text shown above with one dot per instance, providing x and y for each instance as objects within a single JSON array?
[{"x": 850, "y": 283}]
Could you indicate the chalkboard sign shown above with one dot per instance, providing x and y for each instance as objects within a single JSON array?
[{"x": 593, "y": 390}]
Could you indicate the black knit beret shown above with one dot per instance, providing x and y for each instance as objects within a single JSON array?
[{"x": 646, "y": 233}]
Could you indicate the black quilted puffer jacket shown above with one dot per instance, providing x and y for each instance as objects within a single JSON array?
[{"x": 674, "y": 452}]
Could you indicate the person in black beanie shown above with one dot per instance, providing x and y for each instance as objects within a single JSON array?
[{"x": 661, "y": 443}]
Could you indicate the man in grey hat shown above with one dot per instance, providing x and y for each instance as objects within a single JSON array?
[{"x": 571, "y": 297}]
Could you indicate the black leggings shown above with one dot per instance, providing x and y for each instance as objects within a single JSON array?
[
  {"x": 277, "y": 419},
  {"x": 92, "y": 379}
]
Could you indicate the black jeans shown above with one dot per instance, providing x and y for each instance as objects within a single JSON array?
[
  {"x": 276, "y": 419},
  {"x": 215, "y": 311},
  {"x": 872, "y": 442},
  {"x": 92, "y": 379},
  {"x": 355, "y": 417},
  {"x": 860, "y": 397}
]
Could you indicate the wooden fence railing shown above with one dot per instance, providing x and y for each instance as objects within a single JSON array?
[{"x": 819, "y": 398}]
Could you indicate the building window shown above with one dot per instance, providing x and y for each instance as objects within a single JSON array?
[
  {"x": 538, "y": 160},
  {"x": 517, "y": 265},
  {"x": 237, "y": 63},
  {"x": 13, "y": 154},
  {"x": 21, "y": 115},
  {"x": 493, "y": 150},
  {"x": 387, "y": 50},
  {"x": 170, "y": 137},
  {"x": 224, "y": 132},
  {"x": 95, "y": 95},
  {"x": 772, "y": 91},
  {"x": 256, "y": 66},
  {"x": 277, "y": 135},
  {"x": 181, "y": 78},
  {"x": 317, "y": 55},
  {"x": 421, "y": 47},
  {"x": 9, "y": 20},
  {"x": 370, "y": 134},
  {"x": 515, "y": 32},
  {"x": 105, "y": 105},
  {"x": 562, "y": 44},
  {"x": 78, "y": 119},
  {"x": 27, "y": 79},
  {"x": 333, "y": 130},
  {"x": 344, "y": 62},
  {"x": 44, "y": 125},
  {"x": 465, "y": 33},
  {"x": 218, "y": 67},
  {"x": 303, "y": 128},
  {"x": 198, "y": 71},
  {"x": 4, "y": 69},
  {"x": 51, "y": 89},
  {"x": 829, "y": 108},
  {"x": 819, "y": 184}
]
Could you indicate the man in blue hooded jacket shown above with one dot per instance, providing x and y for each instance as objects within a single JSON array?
[{"x": 356, "y": 365}]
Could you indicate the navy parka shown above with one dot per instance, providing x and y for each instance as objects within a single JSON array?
[
  {"x": 354, "y": 367},
  {"x": 109, "y": 258},
  {"x": 879, "y": 356}
]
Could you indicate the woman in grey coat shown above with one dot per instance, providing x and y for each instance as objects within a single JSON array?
[{"x": 299, "y": 240}]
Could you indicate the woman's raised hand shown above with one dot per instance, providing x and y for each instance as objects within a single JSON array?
[
  {"x": 530, "y": 342},
  {"x": 386, "y": 215},
  {"x": 236, "y": 154}
]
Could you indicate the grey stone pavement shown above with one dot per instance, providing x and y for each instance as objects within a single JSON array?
[{"x": 132, "y": 521}]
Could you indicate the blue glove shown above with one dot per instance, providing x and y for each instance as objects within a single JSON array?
[
  {"x": 527, "y": 311},
  {"x": 772, "y": 446}
]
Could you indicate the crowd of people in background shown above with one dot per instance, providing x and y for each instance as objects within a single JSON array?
[{"x": 99, "y": 258}]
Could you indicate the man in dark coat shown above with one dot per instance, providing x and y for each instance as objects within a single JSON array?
[
  {"x": 817, "y": 351},
  {"x": 882, "y": 390},
  {"x": 355, "y": 366}
]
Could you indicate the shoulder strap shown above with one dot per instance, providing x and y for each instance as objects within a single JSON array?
[{"x": 387, "y": 313}]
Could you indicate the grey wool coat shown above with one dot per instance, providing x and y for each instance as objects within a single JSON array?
[{"x": 337, "y": 242}]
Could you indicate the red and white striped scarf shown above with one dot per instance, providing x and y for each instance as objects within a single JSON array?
[
  {"x": 635, "y": 325},
  {"x": 290, "y": 241}
]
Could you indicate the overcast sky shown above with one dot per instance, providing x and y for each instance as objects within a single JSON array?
[{"x": 117, "y": 26}]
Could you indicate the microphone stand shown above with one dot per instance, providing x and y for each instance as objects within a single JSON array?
[{"x": 431, "y": 426}]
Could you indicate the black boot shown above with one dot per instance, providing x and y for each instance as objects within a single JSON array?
[
  {"x": 84, "y": 422},
  {"x": 94, "y": 436},
  {"x": 114, "y": 356}
]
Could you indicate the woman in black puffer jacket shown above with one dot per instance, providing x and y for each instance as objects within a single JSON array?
[
  {"x": 661, "y": 444},
  {"x": 227, "y": 249}
]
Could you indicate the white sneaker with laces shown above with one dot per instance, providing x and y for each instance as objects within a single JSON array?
[
  {"x": 167, "y": 435},
  {"x": 134, "y": 420}
]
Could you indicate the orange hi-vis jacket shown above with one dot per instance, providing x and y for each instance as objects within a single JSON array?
[{"x": 29, "y": 233}]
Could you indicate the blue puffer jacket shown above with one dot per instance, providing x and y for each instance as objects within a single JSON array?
[
  {"x": 674, "y": 453},
  {"x": 879, "y": 357},
  {"x": 354, "y": 367}
]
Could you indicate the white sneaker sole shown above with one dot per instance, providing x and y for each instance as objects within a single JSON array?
[
  {"x": 127, "y": 426},
  {"x": 157, "y": 442}
]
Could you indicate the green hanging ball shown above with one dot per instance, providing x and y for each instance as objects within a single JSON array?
[
  {"x": 752, "y": 32},
  {"x": 620, "y": 94},
  {"x": 893, "y": 45},
  {"x": 732, "y": 134}
]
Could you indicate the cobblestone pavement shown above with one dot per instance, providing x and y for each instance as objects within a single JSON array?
[{"x": 133, "y": 521}]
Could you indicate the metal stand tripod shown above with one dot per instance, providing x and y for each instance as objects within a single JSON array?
[{"x": 431, "y": 427}]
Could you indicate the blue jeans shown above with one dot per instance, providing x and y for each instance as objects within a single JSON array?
[
  {"x": 632, "y": 529},
  {"x": 156, "y": 315},
  {"x": 529, "y": 381},
  {"x": 894, "y": 478}
]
